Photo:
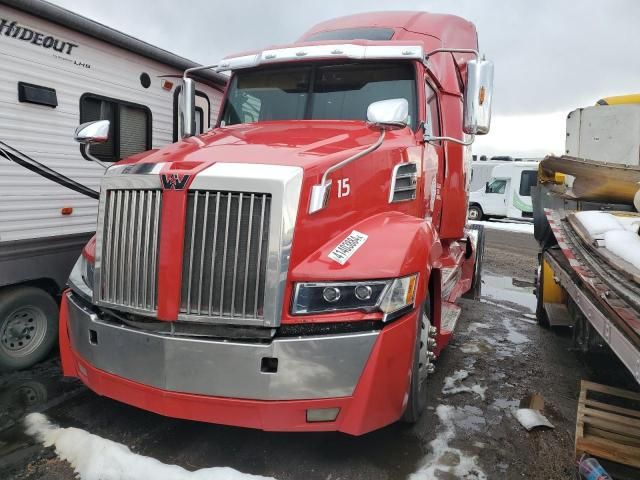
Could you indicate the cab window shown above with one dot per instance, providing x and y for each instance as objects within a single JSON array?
[
  {"x": 432, "y": 125},
  {"x": 497, "y": 186}
]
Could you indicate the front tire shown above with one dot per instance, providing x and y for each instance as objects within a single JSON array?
[
  {"x": 541, "y": 312},
  {"x": 28, "y": 326},
  {"x": 475, "y": 213},
  {"x": 417, "y": 400}
]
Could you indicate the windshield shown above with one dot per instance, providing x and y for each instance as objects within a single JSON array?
[{"x": 317, "y": 92}]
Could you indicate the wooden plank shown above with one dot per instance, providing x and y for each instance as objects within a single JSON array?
[
  {"x": 613, "y": 417},
  {"x": 612, "y": 427},
  {"x": 596, "y": 432},
  {"x": 612, "y": 408},
  {"x": 603, "y": 448},
  {"x": 618, "y": 392}
]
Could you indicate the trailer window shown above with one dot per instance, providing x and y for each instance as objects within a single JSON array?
[
  {"x": 317, "y": 92},
  {"x": 528, "y": 179},
  {"x": 130, "y": 130}
]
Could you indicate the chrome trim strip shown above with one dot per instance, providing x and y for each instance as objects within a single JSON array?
[
  {"x": 395, "y": 176},
  {"x": 308, "y": 52},
  {"x": 308, "y": 367},
  {"x": 284, "y": 184}
]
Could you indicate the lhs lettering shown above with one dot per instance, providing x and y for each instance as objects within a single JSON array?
[{"x": 20, "y": 32}]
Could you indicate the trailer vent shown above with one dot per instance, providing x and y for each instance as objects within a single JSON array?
[
  {"x": 128, "y": 269},
  {"x": 225, "y": 256},
  {"x": 403, "y": 183}
]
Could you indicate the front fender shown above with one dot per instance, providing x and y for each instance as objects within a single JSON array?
[{"x": 397, "y": 245}]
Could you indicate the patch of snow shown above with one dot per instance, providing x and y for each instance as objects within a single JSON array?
[
  {"x": 624, "y": 244},
  {"x": 505, "y": 226},
  {"x": 470, "y": 348},
  {"x": 597, "y": 222},
  {"x": 474, "y": 326},
  {"x": 96, "y": 458},
  {"x": 446, "y": 459},
  {"x": 513, "y": 335},
  {"x": 453, "y": 384}
]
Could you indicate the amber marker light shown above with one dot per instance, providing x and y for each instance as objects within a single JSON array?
[{"x": 66, "y": 210}]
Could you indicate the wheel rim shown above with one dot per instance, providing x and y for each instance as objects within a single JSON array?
[
  {"x": 423, "y": 354},
  {"x": 473, "y": 214},
  {"x": 23, "y": 331}
]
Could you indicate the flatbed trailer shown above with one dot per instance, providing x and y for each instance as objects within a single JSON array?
[{"x": 576, "y": 286}]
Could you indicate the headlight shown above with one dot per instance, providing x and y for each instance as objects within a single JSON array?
[
  {"x": 87, "y": 269},
  {"x": 387, "y": 296},
  {"x": 81, "y": 278}
]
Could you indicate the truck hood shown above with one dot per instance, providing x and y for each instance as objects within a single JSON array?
[{"x": 312, "y": 144}]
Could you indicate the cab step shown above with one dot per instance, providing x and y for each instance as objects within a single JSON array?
[{"x": 450, "y": 314}]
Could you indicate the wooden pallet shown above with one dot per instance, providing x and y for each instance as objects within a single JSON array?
[{"x": 606, "y": 430}]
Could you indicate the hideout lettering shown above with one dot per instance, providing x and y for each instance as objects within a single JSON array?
[{"x": 13, "y": 30}]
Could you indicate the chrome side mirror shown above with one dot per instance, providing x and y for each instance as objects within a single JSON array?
[
  {"x": 187, "y": 115},
  {"x": 389, "y": 114},
  {"x": 92, "y": 132},
  {"x": 477, "y": 97}
]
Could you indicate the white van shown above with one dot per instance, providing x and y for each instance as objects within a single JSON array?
[
  {"x": 60, "y": 69},
  {"x": 506, "y": 194}
]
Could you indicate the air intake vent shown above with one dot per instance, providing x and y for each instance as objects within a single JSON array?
[{"x": 403, "y": 183}]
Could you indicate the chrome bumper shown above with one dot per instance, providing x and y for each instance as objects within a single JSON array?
[{"x": 308, "y": 367}]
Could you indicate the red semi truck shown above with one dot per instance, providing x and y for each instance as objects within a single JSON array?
[{"x": 295, "y": 268}]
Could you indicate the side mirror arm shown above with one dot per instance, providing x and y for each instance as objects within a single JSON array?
[
  {"x": 87, "y": 151},
  {"x": 428, "y": 138}
]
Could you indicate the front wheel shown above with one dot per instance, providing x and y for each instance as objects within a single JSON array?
[
  {"x": 417, "y": 400},
  {"x": 475, "y": 213},
  {"x": 28, "y": 326}
]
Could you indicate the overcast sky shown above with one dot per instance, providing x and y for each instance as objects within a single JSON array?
[{"x": 550, "y": 56}]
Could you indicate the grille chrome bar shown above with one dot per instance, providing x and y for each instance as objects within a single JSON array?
[
  {"x": 223, "y": 263},
  {"x": 130, "y": 249}
]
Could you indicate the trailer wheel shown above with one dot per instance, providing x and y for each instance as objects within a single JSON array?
[
  {"x": 475, "y": 213},
  {"x": 28, "y": 326},
  {"x": 417, "y": 400}
]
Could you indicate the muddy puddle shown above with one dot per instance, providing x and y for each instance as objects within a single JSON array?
[
  {"x": 509, "y": 290},
  {"x": 21, "y": 394}
]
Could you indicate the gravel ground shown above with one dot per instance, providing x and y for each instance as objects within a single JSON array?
[{"x": 498, "y": 356}]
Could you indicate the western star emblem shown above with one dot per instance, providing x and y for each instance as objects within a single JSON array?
[{"x": 173, "y": 181}]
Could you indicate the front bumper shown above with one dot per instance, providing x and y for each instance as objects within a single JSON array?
[{"x": 365, "y": 375}]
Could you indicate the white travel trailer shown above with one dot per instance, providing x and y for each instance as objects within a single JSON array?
[
  {"x": 507, "y": 193},
  {"x": 60, "y": 69}
]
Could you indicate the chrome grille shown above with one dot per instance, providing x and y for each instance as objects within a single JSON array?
[
  {"x": 128, "y": 271},
  {"x": 225, "y": 255}
]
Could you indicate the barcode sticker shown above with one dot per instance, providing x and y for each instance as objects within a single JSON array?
[{"x": 348, "y": 247}]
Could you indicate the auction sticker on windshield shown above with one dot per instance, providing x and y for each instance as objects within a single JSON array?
[{"x": 348, "y": 247}]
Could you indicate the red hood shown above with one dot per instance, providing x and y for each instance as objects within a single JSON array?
[{"x": 308, "y": 144}]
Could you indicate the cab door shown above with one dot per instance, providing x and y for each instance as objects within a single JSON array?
[{"x": 494, "y": 201}]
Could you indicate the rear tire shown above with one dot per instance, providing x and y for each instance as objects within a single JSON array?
[
  {"x": 417, "y": 400},
  {"x": 28, "y": 326},
  {"x": 475, "y": 213}
]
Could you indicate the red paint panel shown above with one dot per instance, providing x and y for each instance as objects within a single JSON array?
[
  {"x": 66, "y": 355},
  {"x": 172, "y": 218}
]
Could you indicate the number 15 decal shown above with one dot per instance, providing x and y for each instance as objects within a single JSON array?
[{"x": 344, "y": 189}]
